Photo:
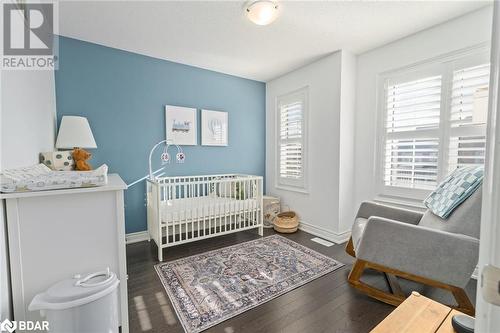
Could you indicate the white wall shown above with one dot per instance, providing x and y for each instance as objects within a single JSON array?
[
  {"x": 319, "y": 209},
  {"x": 347, "y": 210},
  {"x": 488, "y": 315},
  {"x": 466, "y": 31},
  {"x": 27, "y": 124},
  {"x": 27, "y": 118}
]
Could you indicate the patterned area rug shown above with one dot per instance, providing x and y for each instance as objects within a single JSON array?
[{"x": 211, "y": 287}]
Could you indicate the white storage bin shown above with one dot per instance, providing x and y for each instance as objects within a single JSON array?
[
  {"x": 81, "y": 305},
  {"x": 272, "y": 207}
]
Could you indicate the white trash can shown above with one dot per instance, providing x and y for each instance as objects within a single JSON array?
[{"x": 86, "y": 304}]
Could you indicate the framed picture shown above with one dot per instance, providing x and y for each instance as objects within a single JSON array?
[
  {"x": 181, "y": 126},
  {"x": 214, "y": 128}
]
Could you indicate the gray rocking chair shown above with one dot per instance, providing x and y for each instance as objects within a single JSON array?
[{"x": 416, "y": 246}]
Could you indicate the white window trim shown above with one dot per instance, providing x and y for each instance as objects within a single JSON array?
[
  {"x": 476, "y": 51},
  {"x": 284, "y": 184}
]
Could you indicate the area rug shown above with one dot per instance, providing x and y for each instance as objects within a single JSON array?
[{"x": 211, "y": 287}]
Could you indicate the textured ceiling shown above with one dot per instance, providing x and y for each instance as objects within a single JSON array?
[{"x": 216, "y": 35}]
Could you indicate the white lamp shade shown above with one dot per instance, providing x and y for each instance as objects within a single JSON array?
[{"x": 75, "y": 132}]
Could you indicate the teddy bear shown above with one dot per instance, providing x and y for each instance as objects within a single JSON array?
[{"x": 81, "y": 156}]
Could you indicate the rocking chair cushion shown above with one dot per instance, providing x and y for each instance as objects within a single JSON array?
[
  {"x": 370, "y": 208},
  {"x": 438, "y": 255},
  {"x": 357, "y": 231},
  {"x": 465, "y": 219}
]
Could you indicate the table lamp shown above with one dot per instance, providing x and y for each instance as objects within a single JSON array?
[{"x": 75, "y": 133}]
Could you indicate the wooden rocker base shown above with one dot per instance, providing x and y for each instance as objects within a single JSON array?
[
  {"x": 349, "y": 248},
  {"x": 396, "y": 297}
]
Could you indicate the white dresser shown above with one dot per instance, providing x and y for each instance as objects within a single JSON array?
[{"x": 54, "y": 235}]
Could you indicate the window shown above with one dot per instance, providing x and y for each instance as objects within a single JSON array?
[
  {"x": 291, "y": 115},
  {"x": 434, "y": 122}
]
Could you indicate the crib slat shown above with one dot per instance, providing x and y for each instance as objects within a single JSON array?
[
  {"x": 184, "y": 224},
  {"x": 198, "y": 222},
  {"x": 220, "y": 216},
  {"x": 242, "y": 208},
  {"x": 250, "y": 201},
  {"x": 241, "y": 211},
  {"x": 229, "y": 194},
  {"x": 166, "y": 218},
  {"x": 246, "y": 211},
  {"x": 209, "y": 221},
  {"x": 254, "y": 201},
  {"x": 187, "y": 195},
  {"x": 234, "y": 194},
  {"x": 254, "y": 198},
  {"x": 230, "y": 206}
]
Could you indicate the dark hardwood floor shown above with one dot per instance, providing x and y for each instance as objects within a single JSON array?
[{"x": 327, "y": 304}]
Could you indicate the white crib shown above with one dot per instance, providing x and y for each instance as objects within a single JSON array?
[{"x": 189, "y": 208}]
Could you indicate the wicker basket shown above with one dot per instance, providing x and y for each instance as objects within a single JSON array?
[{"x": 286, "y": 222}]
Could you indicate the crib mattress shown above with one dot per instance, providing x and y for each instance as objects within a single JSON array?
[{"x": 204, "y": 208}]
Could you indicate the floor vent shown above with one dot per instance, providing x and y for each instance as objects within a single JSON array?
[{"x": 322, "y": 241}]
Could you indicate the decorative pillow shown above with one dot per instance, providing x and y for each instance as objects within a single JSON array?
[
  {"x": 58, "y": 160},
  {"x": 452, "y": 191}
]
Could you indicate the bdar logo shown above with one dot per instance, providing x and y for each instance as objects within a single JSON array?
[{"x": 8, "y": 326}]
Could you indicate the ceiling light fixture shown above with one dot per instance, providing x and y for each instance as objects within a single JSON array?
[{"x": 262, "y": 12}]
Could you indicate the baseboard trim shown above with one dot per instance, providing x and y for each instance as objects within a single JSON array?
[
  {"x": 135, "y": 237},
  {"x": 337, "y": 238}
]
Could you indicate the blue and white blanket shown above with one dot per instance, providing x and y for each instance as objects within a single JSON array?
[{"x": 452, "y": 191}]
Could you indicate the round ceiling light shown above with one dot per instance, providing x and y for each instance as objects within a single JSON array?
[{"x": 262, "y": 12}]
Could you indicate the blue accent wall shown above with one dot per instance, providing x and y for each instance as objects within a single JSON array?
[{"x": 124, "y": 94}]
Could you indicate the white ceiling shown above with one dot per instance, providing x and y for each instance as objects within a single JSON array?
[{"x": 216, "y": 35}]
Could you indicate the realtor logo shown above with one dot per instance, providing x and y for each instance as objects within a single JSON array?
[
  {"x": 28, "y": 29},
  {"x": 28, "y": 36}
]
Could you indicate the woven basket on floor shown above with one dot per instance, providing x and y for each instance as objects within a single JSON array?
[{"x": 286, "y": 222}]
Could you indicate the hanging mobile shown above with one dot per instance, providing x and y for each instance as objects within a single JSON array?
[
  {"x": 165, "y": 156},
  {"x": 180, "y": 155}
]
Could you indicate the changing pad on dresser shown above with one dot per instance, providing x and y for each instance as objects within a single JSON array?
[{"x": 40, "y": 178}]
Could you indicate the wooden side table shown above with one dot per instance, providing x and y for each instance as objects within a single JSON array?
[{"x": 418, "y": 314}]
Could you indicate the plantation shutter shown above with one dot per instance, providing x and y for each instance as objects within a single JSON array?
[
  {"x": 412, "y": 133},
  {"x": 291, "y": 140},
  {"x": 469, "y": 109},
  {"x": 469, "y": 96},
  {"x": 412, "y": 163},
  {"x": 414, "y": 105},
  {"x": 466, "y": 151}
]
